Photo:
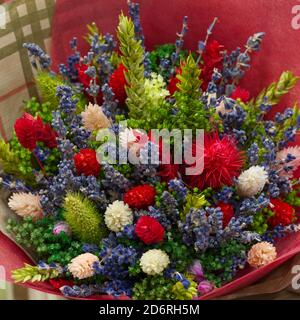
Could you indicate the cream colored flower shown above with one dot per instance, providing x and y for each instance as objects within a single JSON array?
[
  {"x": 94, "y": 119},
  {"x": 261, "y": 254},
  {"x": 154, "y": 261},
  {"x": 252, "y": 181},
  {"x": 117, "y": 216},
  {"x": 81, "y": 266},
  {"x": 26, "y": 205},
  {"x": 282, "y": 156}
]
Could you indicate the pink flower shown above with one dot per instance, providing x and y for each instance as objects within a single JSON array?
[
  {"x": 197, "y": 270},
  {"x": 205, "y": 287}
]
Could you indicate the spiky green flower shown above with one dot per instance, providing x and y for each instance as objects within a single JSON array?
[
  {"x": 189, "y": 78},
  {"x": 34, "y": 273},
  {"x": 82, "y": 216}
]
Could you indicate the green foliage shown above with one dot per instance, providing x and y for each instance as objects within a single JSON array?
[
  {"x": 293, "y": 197},
  {"x": 276, "y": 90},
  {"x": 83, "y": 218},
  {"x": 190, "y": 114},
  {"x": 37, "y": 109},
  {"x": 47, "y": 84},
  {"x": 154, "y": 288},
  {"x": 177, "y": 251},
  {"x": 38, "y": 236},
  {"x": 260, "y": 219},
  {"x": 15, "y": 163},
  {"x": 163, "y": 52},
  {"x": 217, "y": 263},
  {"x": 189, "y": 78},
  {"x": 33, "y": 274},
  {"x": 181, "y": 293}
]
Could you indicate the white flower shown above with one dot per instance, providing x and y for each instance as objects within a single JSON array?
[
  {"x": 294, "y": 164},
  {"x": 129, "y": 137},
  {"x": 26, "y": 204},
  {"x": 117, "y": 216},
  {"x": 81, "y": 266},
  {"x": 94, "y": 119},
  {"x": 154, "y": 261},
  {"x": 252, "y": 181}
]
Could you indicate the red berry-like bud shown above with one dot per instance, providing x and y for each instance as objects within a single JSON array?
[
  {"x": 86, "y": 162},
  {"x": 149, "y": 230},
  {"x": 140, "y": 197}
]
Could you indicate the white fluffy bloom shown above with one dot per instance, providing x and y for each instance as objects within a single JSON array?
[
  {"x": 252, "y": 181},
  {"x": 81, "y": 266},
  {"x": 117, "y": 216},
  {"x": 128, "y": 137},
  {"x": 26, "y": 204},
  {"x": 154, "y": 261},
  {"x": 94, "y": 119}
]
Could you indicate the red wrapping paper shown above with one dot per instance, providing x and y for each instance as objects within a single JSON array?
[{"x": 161, "y": 19}]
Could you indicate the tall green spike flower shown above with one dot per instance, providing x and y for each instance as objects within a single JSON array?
[
  {"x": 82, "y": 216},
  {"x": 189, "y": 78},
  {"x": 133, "y": 60}
]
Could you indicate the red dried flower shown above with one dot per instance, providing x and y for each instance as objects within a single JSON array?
[
  {"x": 140, "y": 197},
  {"x": 284, "y": 213},
  {"x": 228, "y": 212},
  {"x": 45, "y": 134},
  {"x": 222, "y": 162},
  {"x": 172, "y": 86},
  {"x": 29, "y": 131},
  {"x": 25, "y": 128},
  {"x": 212, "y": 58},
  {"x": 240, "y": 93},
  {"x": 86, "y": 163},
  {"x": 86, "y": 80},
  {"x": 118, "y": 82},
  {"x": 149, "y": 230}
]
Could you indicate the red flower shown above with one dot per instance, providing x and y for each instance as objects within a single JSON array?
[
  {"x": 222, "y": 162},
  {"x": 140, "y": 197},
  {"x": 240, "y": 93},
  {"x": 86, "y": 80},
  {"x": 86, "y": 163},
  {"x": 228, "y": 212},
  {"x": 118, "y": 82},
  {"x": 172, "y": 86},
  {"x": 149, "y": 230},
  {"x": 284, "y": 213},
  {"x": 58, "y": 283},
  {"x": 25, "y": 128},
  {"x": 29, "y": 131},
  {"x": 212, "y": 58},
  {"x": 45, "y": 134}
]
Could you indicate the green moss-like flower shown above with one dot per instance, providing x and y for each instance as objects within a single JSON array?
[
  {"x": 82, "y": 216},
  {"x": 47, "y": 84},
  {"x": 154, "y": 288}
]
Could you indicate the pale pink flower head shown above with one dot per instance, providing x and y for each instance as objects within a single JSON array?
[
  {"x": 282, "y": 156},
  {"x": 261, "y": 254},
  {"x": 26, "y": 205},
  {"x": 197, "y": 271},
  {"x": 82, "y": 266},
  {"x": 94, "y": 119}
]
